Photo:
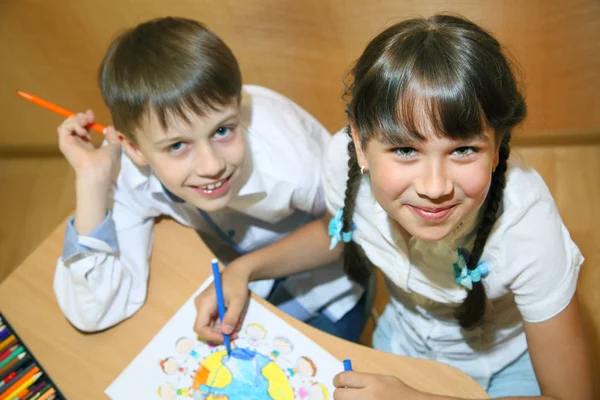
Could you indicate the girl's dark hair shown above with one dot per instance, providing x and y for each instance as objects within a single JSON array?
[
  {"x": 453, "y": 72},
  {"x": 166, "y": 66}
]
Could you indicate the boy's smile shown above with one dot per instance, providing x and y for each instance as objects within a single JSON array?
[{"x": 198, "y": 161}]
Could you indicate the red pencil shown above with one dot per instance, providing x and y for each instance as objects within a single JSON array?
[{"x": 53, "y": 107}]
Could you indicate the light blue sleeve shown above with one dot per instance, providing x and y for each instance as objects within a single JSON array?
[{"x": 104, "y": 232}]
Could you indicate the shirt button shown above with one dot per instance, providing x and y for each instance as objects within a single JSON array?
[{"x": 231, "y": 233}]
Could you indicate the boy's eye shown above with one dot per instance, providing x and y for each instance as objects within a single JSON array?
[
  {"x": 405, "y": 152},
  {"x": 222, "y": 131},
  {"x": 176, "y": 147}
]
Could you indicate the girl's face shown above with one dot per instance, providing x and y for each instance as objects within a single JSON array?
[{"x": 430, "y": 187}]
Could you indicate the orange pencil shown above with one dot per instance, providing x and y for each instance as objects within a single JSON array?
[
  {"x": 53, "y": 107},
  {"x": 22, "y": 385},
  {"x": 47, "y": 394}
]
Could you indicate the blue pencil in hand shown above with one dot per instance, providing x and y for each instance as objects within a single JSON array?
[
  {"x": 347, "y": 365},
  {"x": 220, "y": 300}
]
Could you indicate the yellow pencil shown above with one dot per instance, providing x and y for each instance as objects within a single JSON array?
[{"x": 24, "y": 386}]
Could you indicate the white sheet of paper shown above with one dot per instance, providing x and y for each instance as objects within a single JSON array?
[{"x": 270, "y": 360}]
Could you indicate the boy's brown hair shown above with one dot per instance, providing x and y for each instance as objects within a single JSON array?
[{"x": 165, "y": 67}]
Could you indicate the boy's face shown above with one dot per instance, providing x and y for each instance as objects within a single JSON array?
[{"x": 199, "y": 162}]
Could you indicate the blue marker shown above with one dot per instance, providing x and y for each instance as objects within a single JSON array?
[
  {"x": 220, "y": 300},
  {"x": 347, "y": 365}
]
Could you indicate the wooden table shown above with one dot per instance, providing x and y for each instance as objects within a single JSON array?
[{"x": 83, "y": 365}]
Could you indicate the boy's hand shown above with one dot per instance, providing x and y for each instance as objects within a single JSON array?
[
  {"x": 75, "y": 143},
  {"x": 353, "y": 385},
  {"x": 236, "y": 295}
]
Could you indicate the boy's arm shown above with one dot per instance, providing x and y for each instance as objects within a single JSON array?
[
  {"x": 102, "y": 277},
  {"x": 302, "y": 250}
]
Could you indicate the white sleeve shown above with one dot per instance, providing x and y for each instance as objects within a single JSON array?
[
  {"x": 542, "y": 261},
  {"x": 101, "y": 287}
]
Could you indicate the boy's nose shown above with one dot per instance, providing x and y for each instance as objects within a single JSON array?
[{"x": 209, "y": 164}]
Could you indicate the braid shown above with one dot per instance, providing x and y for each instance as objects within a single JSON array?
[
  {"x": 354, "y": 261},
  {"x": 471, "y": 311}
]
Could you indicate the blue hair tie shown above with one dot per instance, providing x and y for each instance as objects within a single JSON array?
[
  {"x": 335, "y": 230},
  {"x": 463, "y": 275}
]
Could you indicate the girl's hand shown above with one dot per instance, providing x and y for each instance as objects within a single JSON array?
[
  {"x": 353, "y": 385},
  {"x": 234, "y": 279},
  {"x": 75, "y": 143}
]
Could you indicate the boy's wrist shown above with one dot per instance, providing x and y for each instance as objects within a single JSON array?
[
  {"x": 92, "y": 177},
  {"x": 243, "y": 267}
]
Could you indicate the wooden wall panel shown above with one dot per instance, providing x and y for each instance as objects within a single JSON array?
[{"x": 300, "y": 48}]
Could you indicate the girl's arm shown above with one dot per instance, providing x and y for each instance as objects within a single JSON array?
[
  {"x": 560, "y": 355},
  {"x": 558, "y": 351}
]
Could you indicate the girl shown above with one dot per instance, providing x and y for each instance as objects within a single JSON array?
[{"x": 480, "y": 268}]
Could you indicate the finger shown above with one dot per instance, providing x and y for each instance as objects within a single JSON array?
[
  {"x": 347, "y": 394},
  {"x": 206, "y": 315},
  {"x": 110, "y": 133},
  {"x": 233, "y": 314},
  {"x": 351, "y": 379},
  {"x": 85, "y": 118}
]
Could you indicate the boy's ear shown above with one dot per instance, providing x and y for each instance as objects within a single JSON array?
[
  {"x": 132, "y": 150},
  {"x": 360, "y": 155}
]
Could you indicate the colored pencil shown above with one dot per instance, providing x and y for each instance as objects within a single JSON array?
[
  {"x": 12, "y": 356},
  {"x": 9, "y": 341},
  {"x": 46, "y": 395},
  {"x": 21, "y": 376},
  {"x": 8, "y": 351},
  {"x": 15, "y": 364},
  {"x": 347, "y": 365},
  {"x": 22, "y": 385},
  {"x": 220, "y": 300},
  {"x": 53, "y": 107},
  {"x": 37, "y": 389}
]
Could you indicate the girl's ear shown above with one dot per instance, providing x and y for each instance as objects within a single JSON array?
[
  {"x": 360, "y": 155},
  {"x": 132, "y": 150}
]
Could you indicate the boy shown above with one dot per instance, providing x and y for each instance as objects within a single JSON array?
[{"x": 241, "y": 165}]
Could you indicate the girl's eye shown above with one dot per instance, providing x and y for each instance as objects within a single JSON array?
[
  {"x": 222, "y": 132},
  {"x": 465, "y": 151},
  {"x": 405, "y": 152},
  {"x": 176, "y": 147}
]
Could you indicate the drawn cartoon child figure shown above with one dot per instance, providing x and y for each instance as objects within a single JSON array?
[
  {"x": 282, "y": 346},
  {"x": 167, "y": 391},
  {"x": 256, "y": 333},
  {"x": 254, "y": 336},
  {"x": 317, "y": 391},
  {"x": 185, "y": 346},
  {"x": 170, "y": 366},
  {"x": 305, "y": 368},
  {"x": 313, "y": 391}
]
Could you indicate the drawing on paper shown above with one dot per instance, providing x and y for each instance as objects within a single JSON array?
[
  {"x": 270, "y": 360},
  {"x": 254, "y": 370}
]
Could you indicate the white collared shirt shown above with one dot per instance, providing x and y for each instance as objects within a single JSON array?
[
  {"x": 533, "y": 268},
  {"x": 282, "y": 192}
]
